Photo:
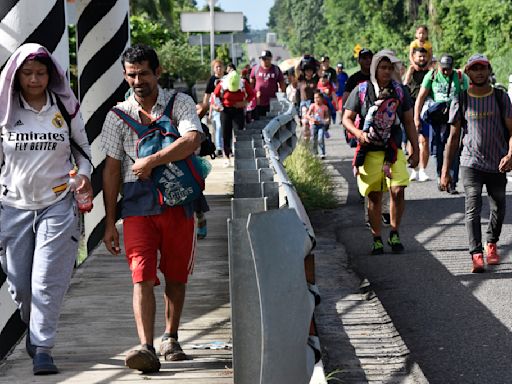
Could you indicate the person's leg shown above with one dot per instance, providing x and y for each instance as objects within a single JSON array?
[
  {"x": 18, "y": 241},
  {"x": 321, "y": 140},
  {"x": 144, "y": 309},
  {"x": 218, "y": 130},
  {"x": 440, "y": 144},
  {"x": 174, "y": 298},
  {"x": 141, "y": 239},
  {"x": 238, "y": 119},
  {"x": 316, "y": 128},
  {"x": 496, "y": 189},
  {"x": 57, "y": 236},
  {"x": 177, "y": 259},
  {"x": 227, "y": 130},
  {"x": 374, "y": 212},
  {"x": 424, "y": 151},
  {"x": 396, "y": 206},
  {"x": 473, "y": 183}
]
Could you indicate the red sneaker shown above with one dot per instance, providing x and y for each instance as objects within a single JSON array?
[
  {"x": 478, "y": 263},
  {"x": 492, "y": 254}
]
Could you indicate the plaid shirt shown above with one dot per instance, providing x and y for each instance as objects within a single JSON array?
[{"x": 117, "y": 139}]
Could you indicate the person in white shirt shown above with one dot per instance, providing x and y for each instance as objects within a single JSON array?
[{"x": 39, "y": 218}]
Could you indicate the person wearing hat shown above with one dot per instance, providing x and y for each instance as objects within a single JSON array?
[
  {"x": 442, "y": 85},
  {"x": 325, "y": 67},
  {"x": 365, "y": 60},
  {"x": 486, "y": 115},
  {"x": 266, "y": 79}
]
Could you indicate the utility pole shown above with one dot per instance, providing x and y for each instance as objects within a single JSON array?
[{"x": 212, "y": 30}]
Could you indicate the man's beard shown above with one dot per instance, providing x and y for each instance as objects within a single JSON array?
[{"x": 421, "y": 65}]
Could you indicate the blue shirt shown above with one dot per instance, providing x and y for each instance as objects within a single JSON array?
[{"x": 342, "y": 79}]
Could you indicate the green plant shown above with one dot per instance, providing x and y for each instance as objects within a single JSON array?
[
  {"x": 311, "y": 180},
  {"x": 331, "y": 376},
  {"x": 143, "y": 30}
]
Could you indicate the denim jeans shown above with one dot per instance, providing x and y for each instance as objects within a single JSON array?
[
  {"x": 495, "y": 183},
  {"x": 319, "y": 139},
  {"x": 439, "y": 138},
  {"x": 218, "y": 129}
]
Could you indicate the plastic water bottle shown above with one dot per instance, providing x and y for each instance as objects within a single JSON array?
[{"x": 83, "y": 199}]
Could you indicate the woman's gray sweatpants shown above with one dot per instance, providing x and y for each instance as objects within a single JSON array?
[{"x": 40, "y": 251}]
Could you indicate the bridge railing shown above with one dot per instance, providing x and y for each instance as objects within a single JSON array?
[{"x": 272, "y": 287}]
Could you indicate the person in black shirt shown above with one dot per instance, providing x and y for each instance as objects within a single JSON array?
[
  {"x": 365, "y": 60},
  {"x": 218, "y": 72},
  {"x": 325, "y": 67}
]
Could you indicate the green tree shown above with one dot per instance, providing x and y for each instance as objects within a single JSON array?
[{"x": 179, "y": 60}]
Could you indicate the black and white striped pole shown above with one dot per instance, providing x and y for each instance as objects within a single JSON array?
[
  {"x": 27, "y": 21},
  {"x": 103, "y": 33}
]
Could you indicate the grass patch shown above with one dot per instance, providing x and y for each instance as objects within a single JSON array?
[{"x": 310, "y": 178}]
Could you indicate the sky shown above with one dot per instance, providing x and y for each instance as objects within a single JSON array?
[{"x": 256, "y": 11}]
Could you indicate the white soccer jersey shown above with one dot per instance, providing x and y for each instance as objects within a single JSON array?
[{"x": 36, "y": 155}]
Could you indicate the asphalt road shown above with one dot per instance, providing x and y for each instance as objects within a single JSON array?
[{"x": 456, "y": 324}]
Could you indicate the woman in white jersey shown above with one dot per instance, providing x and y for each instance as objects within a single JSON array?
[{"x": 39, "y": 220}]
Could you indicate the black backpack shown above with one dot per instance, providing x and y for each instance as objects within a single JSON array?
[{"x": 207, "y": 146}]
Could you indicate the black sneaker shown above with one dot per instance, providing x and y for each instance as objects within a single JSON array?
[
  {"x": 378, "y": 246},
  {"x": 452, "y": 189},
  {"x": 395, "y": 243},
  {"x": 386, "y": 218}
]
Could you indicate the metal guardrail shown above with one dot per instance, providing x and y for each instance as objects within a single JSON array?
[{"x": 271, "y": 266}]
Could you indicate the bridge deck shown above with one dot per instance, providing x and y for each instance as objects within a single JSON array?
[{"x": 97, "y": 327}]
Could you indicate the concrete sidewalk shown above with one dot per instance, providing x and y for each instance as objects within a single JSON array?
[{"x": 97, "y": 328}]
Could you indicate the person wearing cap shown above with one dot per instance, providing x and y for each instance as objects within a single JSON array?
[
  {"x": 442, "y": 85},
  {"x": 365, "y": 60},
  {"x": 484, "y": 114},
  {"x": 325, "y": 68},
  {"x": 266, "y": 80}
]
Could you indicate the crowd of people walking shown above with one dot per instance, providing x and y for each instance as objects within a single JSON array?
[{"x": 393, "y": 116}]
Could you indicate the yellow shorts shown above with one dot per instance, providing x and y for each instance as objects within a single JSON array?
[{"x": 371, "y": 177}]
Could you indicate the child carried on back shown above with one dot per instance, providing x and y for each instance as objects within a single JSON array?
[{"x": 378, "y": 123}]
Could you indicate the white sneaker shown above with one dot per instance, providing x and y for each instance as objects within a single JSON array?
[
  {"x": 422, "y": 176},
  {"x": 414, "y": 175}
]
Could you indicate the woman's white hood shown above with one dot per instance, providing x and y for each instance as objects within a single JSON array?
[{"x": 58, "y": 83}]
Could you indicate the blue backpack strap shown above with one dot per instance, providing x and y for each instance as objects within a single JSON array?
[
  {"x": 139, "y": 128},
  {"x": 363, "y": 88},
  {"x": 398, "y": 90},
  {"x": 170, "y": 105}
]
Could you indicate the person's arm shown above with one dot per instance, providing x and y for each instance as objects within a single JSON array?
[
  {"x": 252, "y": 77},
  {"x": 418, "y": 105},
  {"x": 189, "y": 127},
  {"x": 250, "y": 93},
  {"x": 506, "y": 161},
  {"x": 280, "y": 80},
  {"x": 412, "y": 136},
  {"x": 411, "y": 51},
  {"x": 451, "y": 148},
  {"x": 327, "y": 115},
  {"x": 408, "y": 75},
  {"x": 111, "y": 180}
]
